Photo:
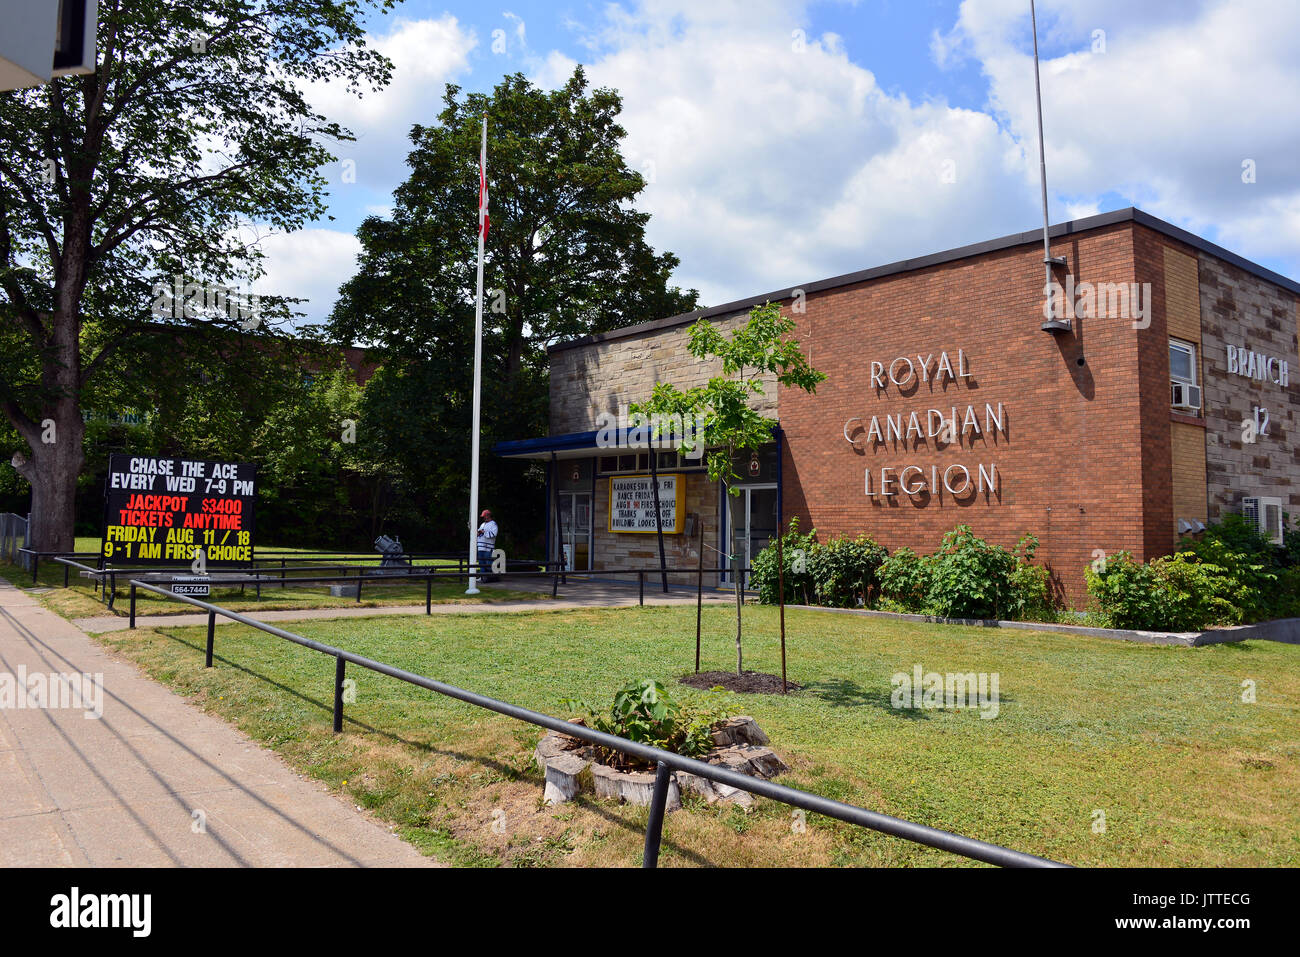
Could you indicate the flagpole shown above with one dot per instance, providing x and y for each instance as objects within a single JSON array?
[{"x": 478, "y": 374}]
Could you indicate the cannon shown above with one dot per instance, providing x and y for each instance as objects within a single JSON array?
[{"x": 394, "y": 554}]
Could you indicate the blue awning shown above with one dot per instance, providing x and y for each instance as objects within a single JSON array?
[{"x": 573, "y": 445}]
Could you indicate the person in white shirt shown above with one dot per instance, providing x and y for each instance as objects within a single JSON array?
[{"x": 487, "y": 542}]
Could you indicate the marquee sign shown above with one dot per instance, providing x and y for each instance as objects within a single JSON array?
[
  {"x": 632, "y": 504},
  {"x": 159, "y": 511}
]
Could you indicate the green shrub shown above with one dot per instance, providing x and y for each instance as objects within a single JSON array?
[
  {"x": 845, "y": 572},
  {"x": 1031, "y": 586},
  {"x": 970, "y": 578},
  {"x": 1198, "y": 594},
  {"x": 1286, "y": 601},
  {"x": 795, "y": 549},
  {"x": 1129, "y": 593},
  {"x": 644, "y": 712},
  {"x": 1193, "y": 589},
  {"x": 1290, "y": 555},
  {"x": 841, "y": 573},
  {"x": 1247, "y": 579},
  {"x": 905, "y": 581},
  {"x": 1236, "y": 535}
]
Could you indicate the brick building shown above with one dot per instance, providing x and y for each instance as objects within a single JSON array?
[{"x": 1167, "y": 403}]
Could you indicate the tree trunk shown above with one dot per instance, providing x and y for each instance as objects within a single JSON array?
[{"x": 55, "y": 463}]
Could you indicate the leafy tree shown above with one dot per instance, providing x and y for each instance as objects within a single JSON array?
[
  {"x": 729, "y": 425},
  {"x": 193, "y": 128},
  {"x": 565, "y": 256}
]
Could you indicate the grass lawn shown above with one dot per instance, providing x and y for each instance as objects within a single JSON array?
[
  {"x": 80, "y": 600},
  {"x": 1156, "y": 738}
]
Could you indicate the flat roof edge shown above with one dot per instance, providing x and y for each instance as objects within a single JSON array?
[{"x": 1069, "y": 228}]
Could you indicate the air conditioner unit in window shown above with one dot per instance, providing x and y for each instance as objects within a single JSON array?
[
  {"x": 1185, "y": 396},
  {"x": 1266, "y": 515}
]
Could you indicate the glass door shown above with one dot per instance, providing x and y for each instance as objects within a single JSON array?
[
  {"x": 755, "y": 512},
  {"x": 575, "y": 530},
  {"x": 761, "y": 513}
]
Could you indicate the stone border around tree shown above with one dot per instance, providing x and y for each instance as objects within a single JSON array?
[{"x": 570, "y": 768}]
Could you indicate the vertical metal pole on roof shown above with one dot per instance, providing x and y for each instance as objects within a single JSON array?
[{"x": 1054, "y": 323}]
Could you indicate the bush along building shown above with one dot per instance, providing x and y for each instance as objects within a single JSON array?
[{"x": 1154, "y": 391}]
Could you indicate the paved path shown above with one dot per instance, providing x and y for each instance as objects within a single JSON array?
[
  {"x": 123, "y": 789},
  {"x": 589, "y": 595}
]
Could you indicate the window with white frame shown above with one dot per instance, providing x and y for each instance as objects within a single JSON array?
[{"x": 1185, "y": 392}]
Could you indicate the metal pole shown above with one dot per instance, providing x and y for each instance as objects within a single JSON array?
[
  {"x": 659, "y": 524},
  {"x": 339, "y": 669},
  {"x": 699, "y": 596},
  {"x": 428, "y": 594},
  {"x": 212, "y": 637},
  {"x": 66, "y": 569},
  {"x": 358, "y": 584},
  {"x": 1042, "y": 171},
  {"x": 655, "y": 826},
  {"x": 780, "y": 587},
  {"x": 478, "y": 366},
  {"x": 132, "y": 604},
  {"x": 640, "y": 584}
]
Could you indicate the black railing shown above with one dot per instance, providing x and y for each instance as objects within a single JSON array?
[
  {"x": 389, "y": 575},
  {"x": 664, "y": 761}
]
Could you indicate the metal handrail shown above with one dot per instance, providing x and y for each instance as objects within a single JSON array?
[
  {"x": 664, "y": 761},
  {"x": 402, "y": 573}
]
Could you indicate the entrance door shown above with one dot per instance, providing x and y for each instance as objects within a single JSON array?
[
  {"x": 575, "y": 530},
  {"x": 755, "y": 510}
]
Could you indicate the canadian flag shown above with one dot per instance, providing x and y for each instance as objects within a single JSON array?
[{"x": 482, "y": 187}]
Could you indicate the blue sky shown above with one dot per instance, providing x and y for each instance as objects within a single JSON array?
[{"x": 786, "y": 142}]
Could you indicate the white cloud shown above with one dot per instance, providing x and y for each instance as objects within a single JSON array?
[
  {"x": 310, "y": 264},
  {"x": 1182, "y": 95},
  {"x": 775, "y": 160},
  {"x": 426, "y": 54}
]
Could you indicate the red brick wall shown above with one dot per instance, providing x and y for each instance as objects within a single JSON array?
[{"x": 1084, "y": 464}]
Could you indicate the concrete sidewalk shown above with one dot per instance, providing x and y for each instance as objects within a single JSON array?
[
  {"x": 154, "y": 781},
  {"x": 589, "y": 595}
]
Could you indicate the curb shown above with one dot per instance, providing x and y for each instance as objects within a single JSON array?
[{"x": 1285, "y": 630}]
